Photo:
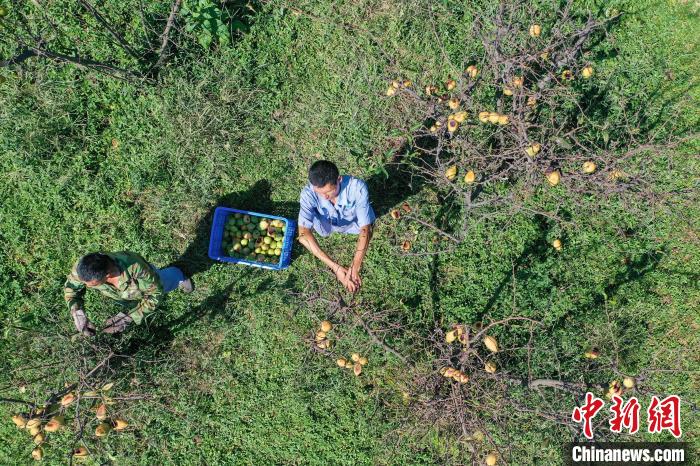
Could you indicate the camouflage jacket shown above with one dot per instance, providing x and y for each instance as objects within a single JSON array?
[{"x": 139, "y": 281}]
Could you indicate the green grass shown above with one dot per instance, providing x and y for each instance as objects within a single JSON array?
[{"x": 229, "y": 370}]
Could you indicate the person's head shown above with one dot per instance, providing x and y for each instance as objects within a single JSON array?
[
  {"x": 325, "y": 178},
  {"x": 94, "y": 269}
]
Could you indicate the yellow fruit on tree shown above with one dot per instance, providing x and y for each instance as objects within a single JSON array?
[
  {"x": 472, "y": 71},
  {"x": 451, "y": 172},
  {"x": 484, "y": 117},
  {"x": 556, "y": 244},
  {"x": 20, "y": 421},
  {"x": 553, "y": 177},
  {"x": 326, "y": 326},
  {"x": 54, "y": 424},
  {"x": 589, "y": 167},
  {"x": 102, "y": 429},
  {"x": 341, "y": 362},
  {"x": 38, "y": 453},
  {"x": 535, "y": 30},
  {"x": 470, "y": 177},
  {"x": 120, "y": 424},
  {"x": 491, "y": 343},
  {"x": 587, "y": 72},
  {"x": 34, "y": 430},
  {"x": 490, "y": 367}
]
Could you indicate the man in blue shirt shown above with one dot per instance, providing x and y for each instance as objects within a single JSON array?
[{"x": 333, "y": 203}]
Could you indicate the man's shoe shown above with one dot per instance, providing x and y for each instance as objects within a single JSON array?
[{"x": 186, "y": 286}]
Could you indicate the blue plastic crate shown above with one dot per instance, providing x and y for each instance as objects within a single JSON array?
[{"x": 221, "y": 215}]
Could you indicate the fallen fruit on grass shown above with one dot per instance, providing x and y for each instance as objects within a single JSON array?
[
  {"x": 452, "y": 126},
  {"x": 395, "y": 84},
  {"x": 463, "y": 339},
  {"x": 490, "y": 367},
  {"x": 450, "y": 84},
  {"x": 67, "y": 399},
  {"x": 406, "y": 83},
  {"x": 589, "y": 167},
  {"x": 478, "y": 436},
  {"x": 531, "y": 101},
  {"x": 463, "y": 378},
  {"x": 19, "y": 420},
  {"x": 390, "y": 91},
  {"x": 535, "y": 30},
  {"x": 357, "y": 369},
  {"x": 451, "y": 172},
  {"x": 321, "y": 335},
  {"x": 616, "y": 175},
  {"x": 567, "y": 75},
  {"x": 120, "y": 424},
  {"x": 491, "y": 343},
  {"x": 587, "y": 72},
  {"x": 102, "y": 429},
  {"x": 101, "y": 412},
  {"x": 450, "y": 336},
  {"x": 503, "y": 119},
  {"x": 38, "y": 453},
  {"x": 470, "y": 177},
  {"x": 518, "y": 81},
  {"x": 472, "y": 71},
  {"x": 628, "y": 382},
  {"x": 484, "y": 117},
  {"x": 406, "y": 246},
  {"x": 35, "y": 422},
  {"x": 507, "y": 91},
  {"x": 615, "y": 389},
  {"x": 363, "y": 361},
  {"x": 533, "y": 149},
  {"x": 556, "y": 244},
  {"x": 326, "y": 326},
  {"x": 39, "y": 438},
  {"x": 349, "y": 364},
  {"x": 491, "y": 459},
  {"x": 553, "y": 177},
  {"x": 395, "y": 214},
  {"x": 450, "y": 372},
  {"x": 592, "y": 353},
  {"x": 453, "y": 103},
  {"x": 406, "y": 208},
  {"x": 341, "y": 362},
  {"x": 544, "y": 55},
  {"x": 325, "y": 344},
  {"x": 80, "y": 452},
  {"x": 355, "y": 357},
  {"x": 493, "y": 117},
  {"x": 34, "y": 430},
  {"x": 430, "y": 90}
]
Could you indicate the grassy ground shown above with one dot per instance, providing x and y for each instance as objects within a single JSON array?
[{"x": 91, "y": 163}]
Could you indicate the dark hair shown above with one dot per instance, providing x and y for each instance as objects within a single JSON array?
[
  {"x": 95, "y": 266},
  {"x": 323, "y": 172}
]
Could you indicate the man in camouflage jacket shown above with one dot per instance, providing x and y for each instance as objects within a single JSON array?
[{"x": 125, "y": 277}]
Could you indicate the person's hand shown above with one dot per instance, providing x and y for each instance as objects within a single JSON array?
[
  {"x": 343, "y": 276},
  {"x": 117, "y": 323},
  {"x": 82, "y": 324},
  {"x": 340, "y": 274},
  {"x": 354, "y": 276}
]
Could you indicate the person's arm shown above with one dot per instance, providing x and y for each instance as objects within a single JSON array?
[
  {"x": 73, "y": 292},
  {"x": 151, "y": 289},
  {"x": 308, "y": 240},
  {"x": 365, "y": 219}
]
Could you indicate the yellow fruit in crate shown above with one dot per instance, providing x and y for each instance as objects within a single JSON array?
[
  {"x": 484, "y": 117},
  {"x": 553, "y": 177},
  {"x": 470, "y": 177},
  {"x": 451, "y": 172},
  {"x": 490, "y": 367},
  {"x": 450, "y": 336},
  {"x": 341, "y": 362},
  {"x": 326, "y": 326},
  {"x": 535, "y": 30},
  {"x": 589, "y": 167},
  {"x": 472, "y": 71},
  {"x": 491, "y": 343}
]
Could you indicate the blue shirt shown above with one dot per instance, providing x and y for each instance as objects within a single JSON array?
[{"x": 351, "y": 211}]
